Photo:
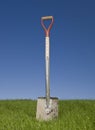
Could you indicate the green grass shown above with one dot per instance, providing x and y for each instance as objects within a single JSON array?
[{"x": 73, "y": 115}]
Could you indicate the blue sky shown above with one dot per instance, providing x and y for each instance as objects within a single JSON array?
[{"x": 22, "y": 42}]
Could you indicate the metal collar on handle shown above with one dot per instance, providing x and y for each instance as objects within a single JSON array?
[{"x": 47, "y": 30}]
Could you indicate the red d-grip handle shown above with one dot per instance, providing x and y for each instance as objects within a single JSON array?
[{"x": 47, "y": 30}]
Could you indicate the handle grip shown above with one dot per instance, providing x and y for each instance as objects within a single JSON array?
[
  {"x": 47, "y": 17},
  {"x": 47, "y": 30}
]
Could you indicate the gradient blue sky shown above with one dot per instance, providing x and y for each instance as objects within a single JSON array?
[{"x": 22, "y": 64}]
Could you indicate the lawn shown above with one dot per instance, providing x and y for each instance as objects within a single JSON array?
[{"x": 73, "y": 115}]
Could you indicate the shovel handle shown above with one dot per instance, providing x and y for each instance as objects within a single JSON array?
[{"x": 47, "y": 30}]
